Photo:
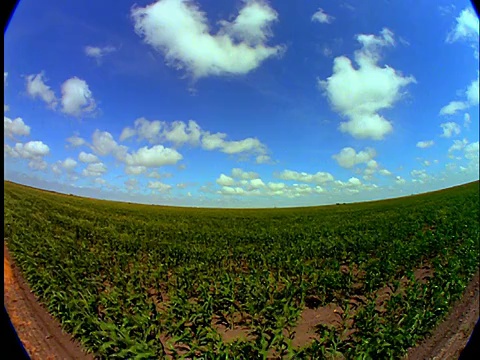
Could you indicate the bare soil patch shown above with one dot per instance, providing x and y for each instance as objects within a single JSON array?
[
  {"x": 451, "y": 336},
  {"x": 41, "y": 335}
]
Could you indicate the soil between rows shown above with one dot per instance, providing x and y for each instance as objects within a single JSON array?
[{"x": 43, "y": 337}]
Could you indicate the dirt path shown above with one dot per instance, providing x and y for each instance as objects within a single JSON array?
[
  {"x": 44, "y": 339},
  {"x": 451, "y": 336},
  {"x": 39, "y": 332}
]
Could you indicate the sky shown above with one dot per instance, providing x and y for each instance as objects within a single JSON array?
[{"x": 241, "y": 103}]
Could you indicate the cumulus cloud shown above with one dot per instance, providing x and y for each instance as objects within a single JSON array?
[
  {"x": 32, "y": 150},
  {"x": 471, "y": 151},
  {"x": 127, "y": 133},
  {"x": 472, "y": 99},
  {"x": 457, "y": 145},
  {"x": 466, "y": 27},
  {"x": 155, "y": 156},
  {"x": 76, "y": 141},
  {"x": 36, "y": 87},
  {"x": 77, "y": 99},
  {"x": 180, "y": 133},
  {"x": 317, "y": 178},
  {"x": 224, "y": 180},
  {"x": 238, "y": 173},
  {"x": 450, "y": 129},
  {"x": 97, "y": 52},
  {"x": 95, "y": 169},
  {"x": 69, "y": 164},
  {"x": 425, "y": 144},
  {"x": 87, "y": 158},
  {"x": 104, "y": 144},
  {"x": 348, "y": 157},
  {"x": 159, "y": 186},
  {"x": 180, "y": 31},
  {"x": 15, "y": 127},
  {"x": 359, "y": 94},
  {"x": 322, "y": 17},
  {"x": 135, "y": 170}
]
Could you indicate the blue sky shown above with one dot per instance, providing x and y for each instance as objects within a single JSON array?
[{"x": 241, "y": 103}]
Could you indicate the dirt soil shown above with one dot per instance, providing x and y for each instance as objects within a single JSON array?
[
  {"x": 39, "y": 332},
  {"x": 451, "y": 336},
  {"x": 43, "y": 337}
]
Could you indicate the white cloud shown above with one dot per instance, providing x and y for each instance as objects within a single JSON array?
[
  {"x": 32, "y": 150},
  {"x": 348, "y": 157},
  {"x": 180, "y": 133},
  {"x": 98, "y": 52},
  {"x": 466, "y": 27},
  {"x": 29, "y": 150},
  {"x": 224, "y": 180},
  {"x": 135, "y": 170},
  {"x": 16, "y": 127},
  {"x": 95, "y": 169},
  {"x": 385, "y": 172},
  {"x": 471, "y": 151},
  {"x": 257, "y": 183},
  {"x": 249, "y": 145},
  {"x": 360, "y": 94},
  {"x": 77, "y": 99},
  {"x": 238, "y": 173},
  {"x": 127, "y": 133},
  {"x": 322, "y": 17},
  {"x": 276, "y": 186},
  {"x": 425, "y": 144},
  {"x": 36, "y": 87},
  {"x": 263, "y": 159},
  {"x": 87, "y": 158},
  {"x": 420, "y": 176},
  {"x": 318, "y": 178},
  {"x": 450, "y": 129},
  {"x": 155, "y": 156},
  {"x": 69, "y": 164},
  {"x": 103, "y": 143},
  {"x": 180, "y": 30},
  {"x": 399, "y": 180},
  {"x": 466, "y": 120},
  {"x": 159, "y": 186},
  {"x": 472, "y": 99},
  {"x": 5, "y": 75},
  {"x": 154, "y": 174},
  {"x": 453, "y": 107},
  {"x": 76, "y": 141},
  {"x": 458, "y": 145},
  {"x": 56, "y": 169}
]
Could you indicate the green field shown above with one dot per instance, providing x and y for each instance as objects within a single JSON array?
[{"x": 141, "y": 281}]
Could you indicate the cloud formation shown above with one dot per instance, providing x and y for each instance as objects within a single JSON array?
[
  {"x": 322, "y": 17},
  {"x": 97, "y": 52},
  {"x": 359, "y": 94},
  {"x": 180, "y": 133},
  {"x": 425, "y": 144},
  {"x": 348, "y": 157},
  {"x": 15, "y": 127},
  {"x": 36, "y": 88},
  {"x": 180, "y": 31},
  {"x": 77, "y": 99}
]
